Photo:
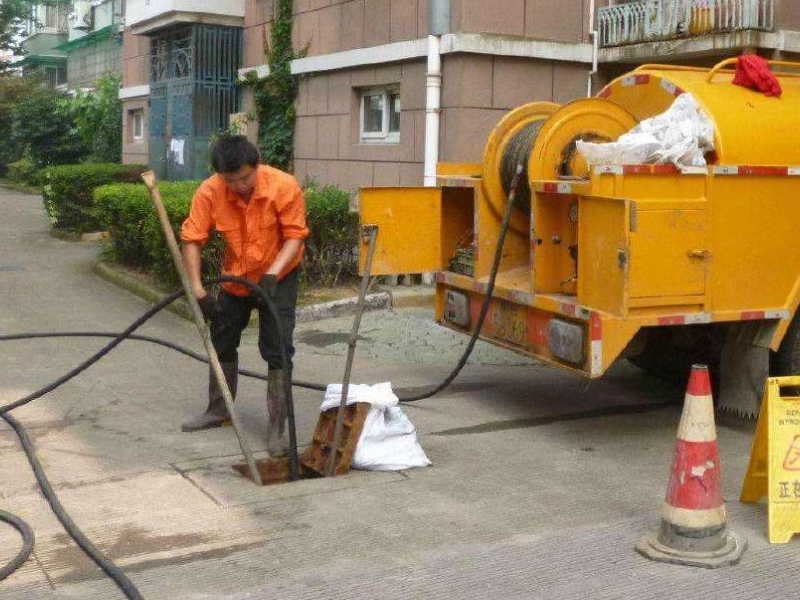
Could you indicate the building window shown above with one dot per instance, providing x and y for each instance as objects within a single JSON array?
[
  {"x": 137, "y": 124},
  {"x": 380, "y": 115}
]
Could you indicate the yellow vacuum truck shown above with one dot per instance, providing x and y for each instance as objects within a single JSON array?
[{"x": 661, "y": 265}]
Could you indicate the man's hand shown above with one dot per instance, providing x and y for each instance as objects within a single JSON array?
[
  {"x": 269, "y": 285},
  {"x": 210, "y": 307}
]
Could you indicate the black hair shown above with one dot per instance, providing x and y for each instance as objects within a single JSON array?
[{"x": 231, "y": 152}]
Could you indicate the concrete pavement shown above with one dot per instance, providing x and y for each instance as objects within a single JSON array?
[{"x": 540, "y": 486}]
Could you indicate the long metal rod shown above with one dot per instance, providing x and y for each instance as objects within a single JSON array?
[
  {"x": 149, "y": 178},
  {"x": 372, "y": 232}
]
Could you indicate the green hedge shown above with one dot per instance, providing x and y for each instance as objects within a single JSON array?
[
  {"x": 331, "y": 247},
  {"x": 136, "y": 240},
  {"x": 67, "y": 192},
  {"x": 23, "y": 171}
]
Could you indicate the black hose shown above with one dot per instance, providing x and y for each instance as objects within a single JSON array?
[
  {"x": 108, "y": 567},
  {"x": 104, "y": 563},
  {"x": 153, "y": 340},
  {"x": 114, "y": 572},
  {"x": 498, "y": 255},
  {"x": 27, "y": 543}
]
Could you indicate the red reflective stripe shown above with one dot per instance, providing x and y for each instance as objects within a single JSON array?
[
  {"x": 699, "y": 382},
  {"x": 568, "y": 309},
  {"x": 665, "y": 169},
  {"x": 758, "y": 170},
  {"x": 694, "y": 483},
  {"x": 678, "y": 320},
  {"x": 605, "y": 93},
  {"x": 753, "y": 315},
  {"x": 641, "y": 79},
  {"x": 637, "y": 169},
  {"x": 440, "y": 278},
  {"x": 596, "y": 326},
  {"x": 550, "y": 188}
]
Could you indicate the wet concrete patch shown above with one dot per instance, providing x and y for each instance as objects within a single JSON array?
[
  {"x": 323, "y": 339},
  {"x": 510, "y": 424}
]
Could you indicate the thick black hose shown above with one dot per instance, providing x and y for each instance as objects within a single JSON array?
[
  {"x": 27, "y": 543},
  {"x": 74, "y": 532},
  {"x": 114, "y": 572},
  {"x": 498, "y": 255},
  {"x": 153, "y": 340},
  {"x": 108, "y": 567}
]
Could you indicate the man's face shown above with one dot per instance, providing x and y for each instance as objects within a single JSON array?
[{"x": 241, "y": 182}]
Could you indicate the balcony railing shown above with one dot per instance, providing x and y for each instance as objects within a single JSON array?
[{"x": 651, "y": 20}]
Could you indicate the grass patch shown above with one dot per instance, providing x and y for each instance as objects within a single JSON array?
[{"x": 19, "y": 187}]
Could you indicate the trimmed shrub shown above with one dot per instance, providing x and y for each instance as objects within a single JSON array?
[
  {"x": 23, "y": 171},
  {"x": 332, "y": 246},
  {"x": 67, "y": 192},
  {"x": 136, "y": 239},
  {"x": 135, "y": 231}
]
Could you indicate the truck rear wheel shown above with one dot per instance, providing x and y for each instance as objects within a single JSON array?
[{"x": 670, "y": 352}]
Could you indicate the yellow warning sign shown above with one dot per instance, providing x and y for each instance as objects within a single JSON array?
[{"x": 774, "y": 469}]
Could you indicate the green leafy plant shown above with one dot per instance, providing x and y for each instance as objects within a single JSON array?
[
  {"x": 13, "y": 91},
  {"x": 331, "y": 248},
  {"x": 23, "y": 171},
  {"x": 276, "y": 93},
  {"x": 44, "y": 125},
  {"x": 98, "y": 119},
  {"x": 67, "y": 192},
  {"x": 136, "y": 237}
]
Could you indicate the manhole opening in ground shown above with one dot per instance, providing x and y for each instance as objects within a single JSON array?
[{"x": 314, "y": 460}]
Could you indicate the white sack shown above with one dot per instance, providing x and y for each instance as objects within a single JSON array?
[
  {"x": 681, "y": 135},
  {"x": 388, "y": 441}
]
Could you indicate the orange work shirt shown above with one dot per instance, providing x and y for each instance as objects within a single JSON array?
[{"x": 254, "y": 232}]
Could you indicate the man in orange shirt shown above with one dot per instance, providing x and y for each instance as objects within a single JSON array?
[{"x": 260, "y": 213}]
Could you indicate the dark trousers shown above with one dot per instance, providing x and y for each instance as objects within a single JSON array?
[{"x": 226, "y": 330}]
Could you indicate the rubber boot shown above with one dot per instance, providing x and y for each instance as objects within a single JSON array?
[
  {"x": 216, "y": 414},
  {"x": 277, "y": 442}
]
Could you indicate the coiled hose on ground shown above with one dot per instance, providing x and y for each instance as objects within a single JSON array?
[{"x": 109, "y": 568}]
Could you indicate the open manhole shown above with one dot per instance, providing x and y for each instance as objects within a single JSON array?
[{"x": 314, "y": 460}]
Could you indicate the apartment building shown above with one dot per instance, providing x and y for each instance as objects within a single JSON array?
[
  {"x": 94, "y": 45},
  {"x": 367, "y": 112},
  {"x": 46, "y": 29},
  {"x": 73, "y": 44}
]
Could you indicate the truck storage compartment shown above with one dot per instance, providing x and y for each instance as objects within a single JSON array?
[{"x": 419, "y": 229}]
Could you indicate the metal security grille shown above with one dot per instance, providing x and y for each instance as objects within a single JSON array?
[
  {"x": 193, "y": 72},
  {"x": 650, "y": 20}
]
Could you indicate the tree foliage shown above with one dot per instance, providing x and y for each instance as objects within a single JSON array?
[
  {"x": 44, "y": 125},
  {"x": 98, "y": 120},
  {"x": 13, "y": 90}
]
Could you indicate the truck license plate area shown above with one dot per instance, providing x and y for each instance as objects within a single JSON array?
[{"x": 507, "y": 322}]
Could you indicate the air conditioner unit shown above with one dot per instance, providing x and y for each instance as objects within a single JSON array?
[{"x": 81, "y": 16}]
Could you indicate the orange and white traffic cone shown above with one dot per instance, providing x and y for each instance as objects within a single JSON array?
[{"x": 693, "y": 524}]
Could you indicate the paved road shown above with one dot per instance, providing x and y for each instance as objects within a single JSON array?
[{"x": 540, "y": 486}]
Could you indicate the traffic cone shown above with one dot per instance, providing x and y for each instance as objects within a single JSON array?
[{"x": 693, "y": 525}]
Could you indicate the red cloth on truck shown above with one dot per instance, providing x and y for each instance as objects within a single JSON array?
[{"x": 753, "y": 72}]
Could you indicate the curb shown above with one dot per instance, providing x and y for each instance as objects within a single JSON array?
[
  {"x": 312, "y": 312},
  {"x": 337, "y": 308},
  {"x": 139, "y": 288}
]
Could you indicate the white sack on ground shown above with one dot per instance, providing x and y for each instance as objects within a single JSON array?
[
  {"x": 681, "y": 135},
  {"x": 388, "y": 441}
]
